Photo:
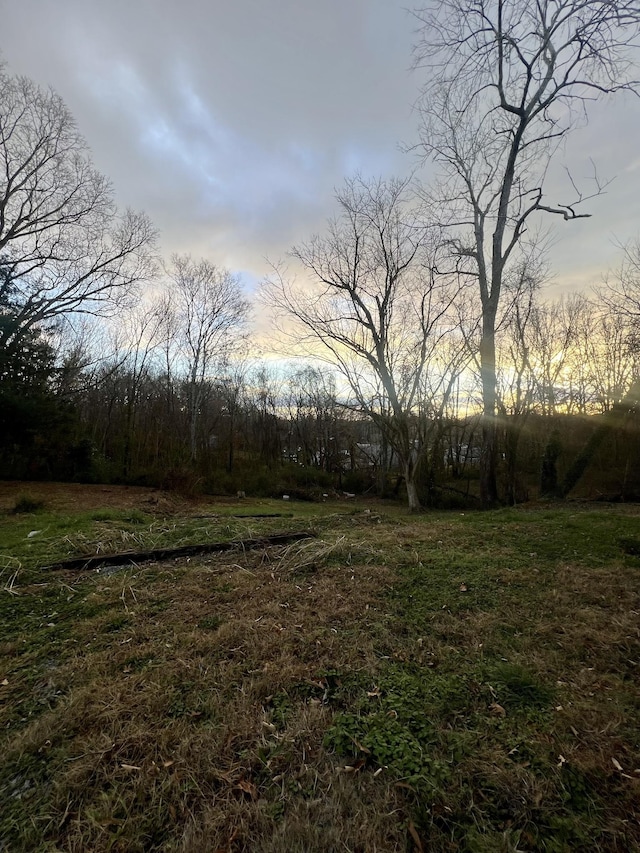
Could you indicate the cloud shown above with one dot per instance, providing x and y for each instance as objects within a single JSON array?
[{"x": 232, "y": 123}]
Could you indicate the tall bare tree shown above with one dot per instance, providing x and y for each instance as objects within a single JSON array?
[
  {"x": 314, "y": 413},
  {"x": 377, "y": 307},
  {"x": 64, "y": 247},
  {"x": 516, "y": 384},
  {"x": 209, "y": 311},
  {"x": 136, "y": 338},
  {"x": 507, "y": 82}
]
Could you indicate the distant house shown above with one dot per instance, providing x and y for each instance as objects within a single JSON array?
[{"x": 462, "y": 454}]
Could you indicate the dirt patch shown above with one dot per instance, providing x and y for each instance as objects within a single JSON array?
[{"x": 76, "y": 497}]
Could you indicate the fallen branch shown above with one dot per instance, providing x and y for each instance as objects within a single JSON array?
[{"x": 156, "y": 554}]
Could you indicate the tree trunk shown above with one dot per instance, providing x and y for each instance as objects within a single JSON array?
[
  {"x": 513, "y": 432},
  {"x": 231, "y": 455},
  {"x": 194, "y": 404},
  {"x": 409, "y": 470},
  {"x": 549, "y": 471},
  {"x": 489, "y": 452},
  {"x": 192, "y": 436},
  {"x": 382, "y": 468},
  {"x": 232, "y": 431}
]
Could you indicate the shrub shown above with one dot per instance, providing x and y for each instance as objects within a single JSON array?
[{"x": 357, "y": 481}]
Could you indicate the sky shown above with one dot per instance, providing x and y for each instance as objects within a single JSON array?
[{"x": 232, "y": 122}]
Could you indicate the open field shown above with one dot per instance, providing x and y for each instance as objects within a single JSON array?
[{"x": 446, "y": 682}]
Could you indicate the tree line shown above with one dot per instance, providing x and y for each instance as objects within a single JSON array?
[
  {"x": 435, "y": 361},
  {"x": 171, "y": 395}
]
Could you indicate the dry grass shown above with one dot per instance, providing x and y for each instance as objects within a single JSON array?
[
  {"x": 162, "y": 713},
  {"x": 446, "y": 683}
]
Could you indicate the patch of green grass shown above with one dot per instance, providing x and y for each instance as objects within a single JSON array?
[
  {"x": 117, "y": 623},
  {"x": 138, "y": 663},
  {"x": 515, "y": 688},
  {"x": 210, "y": 623},
  {"x": 280, "y": 706},
  {"x": 130, "y": 516}
]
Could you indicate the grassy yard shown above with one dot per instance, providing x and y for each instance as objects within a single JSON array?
[{"x": 448, "y": 682}]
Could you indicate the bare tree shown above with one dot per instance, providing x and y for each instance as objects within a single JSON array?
[
  {"x": 621, "y": 295},
  {"x": 63, "y": 246},
  {"x": 516, "y": 385},
  {"x": 231, "y": 389},
  {"x": 314, "y": 414},
  {"x": 584, "y": 354},
  {"x": 553, "y": 336},
  {"x": 265, "y": 401},
  {"x": 378, "y": 308},
  {"x": 508, "y": 81},
  {"x": 136, "y": 338},
  {"x": 209, "y": 312}
]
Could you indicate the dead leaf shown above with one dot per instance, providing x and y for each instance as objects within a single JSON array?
[
  {"x": 248, "y": 787},
  {"x": 361, "y": 747},
  {"x": 415, "y": 837},
  {"x": 357, "y": 765},
  {"x": 5, "y": 681},
  {"x": 463, "y": 587},
  {"x": 497, "y": 710},
  {"x": 616, "y": 764}
]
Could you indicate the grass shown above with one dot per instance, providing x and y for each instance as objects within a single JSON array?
[{"x": 452, "y": 682}]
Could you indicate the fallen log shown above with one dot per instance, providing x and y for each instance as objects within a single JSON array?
[
  {"x": 156, "y": 554},
  {"x": 246, "y": 515}
]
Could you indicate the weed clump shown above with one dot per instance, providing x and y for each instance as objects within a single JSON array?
[
  {"x": 630, "y": 546},
  {"x": 26, "y": 504},
  {"x": 517, "y": 688},
  {"x": 210, "y": 623}
]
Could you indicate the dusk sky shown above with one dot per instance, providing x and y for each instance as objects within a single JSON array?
[{"x": 230, "y": 122}]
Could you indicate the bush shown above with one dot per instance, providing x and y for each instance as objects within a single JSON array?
[
  {"x": 357, "y": 481},
  {"x": 305, "y": 477}
]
